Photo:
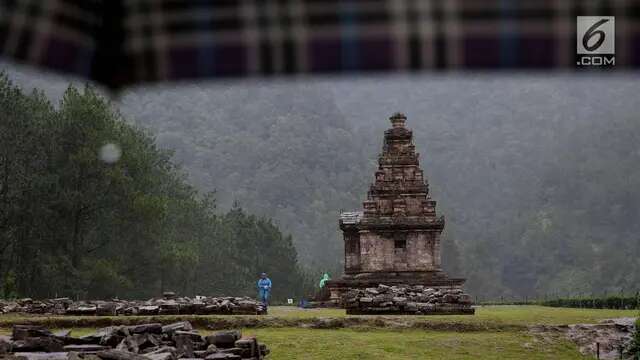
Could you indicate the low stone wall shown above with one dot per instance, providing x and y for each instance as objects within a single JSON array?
[
  {"x": 609, "y": 339},
  {"x": 138, "y": 342},
  {"x": 412, "y": 300},
  {"x": 169, "y": 305}
]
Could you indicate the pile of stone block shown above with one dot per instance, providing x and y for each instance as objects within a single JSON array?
[
  {"x": 138, "y": 342},
  {"x": 413, "y": 300},
  {"x": 168, "y": 305}
]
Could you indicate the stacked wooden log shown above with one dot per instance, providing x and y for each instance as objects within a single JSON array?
[
  {"x": 168, "y": 305},
  {"x": 139, "y": 342},
  {"x": 413, "y": 300}
]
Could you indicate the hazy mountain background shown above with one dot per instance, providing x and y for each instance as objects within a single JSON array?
[{"x": 537, "y": 174}]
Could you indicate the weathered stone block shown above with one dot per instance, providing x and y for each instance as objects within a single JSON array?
[{"x": 223, "y": 339}]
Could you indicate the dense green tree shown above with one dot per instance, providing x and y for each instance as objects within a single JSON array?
[{"x": 91, "y": 208}]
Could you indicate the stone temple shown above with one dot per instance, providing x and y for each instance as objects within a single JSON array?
[{"x": 395, "y": 240}]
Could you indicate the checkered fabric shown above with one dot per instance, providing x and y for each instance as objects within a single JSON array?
[{"x": 119, "y": 42}]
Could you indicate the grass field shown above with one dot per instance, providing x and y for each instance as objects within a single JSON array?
[
  {"x": 495, "y": 332},
  {"x": 495, "y": 314},
  {"x": 498, "y": 317},
  {"x": 347, "y": 344}
]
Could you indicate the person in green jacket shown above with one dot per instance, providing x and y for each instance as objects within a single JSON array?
[{"x": 324, "y": 279}]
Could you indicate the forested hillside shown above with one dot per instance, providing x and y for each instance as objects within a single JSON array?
[
  {"x": 536, "y": 180},
  {"x": 285, "y": 152},
  {"x": 91, "y": 208},
  {"x": 537, "y": 177}
]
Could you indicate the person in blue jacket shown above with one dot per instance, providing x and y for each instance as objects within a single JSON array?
[{"x": 264, "y": 289}]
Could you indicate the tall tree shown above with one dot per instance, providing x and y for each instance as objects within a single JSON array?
[{"x": 90, "y": 207}]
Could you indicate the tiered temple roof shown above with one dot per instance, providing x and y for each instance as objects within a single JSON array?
[{"x": 399, "y": 196}]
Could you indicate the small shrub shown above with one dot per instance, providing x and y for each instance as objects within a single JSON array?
[{"x": 609, "y": 302}]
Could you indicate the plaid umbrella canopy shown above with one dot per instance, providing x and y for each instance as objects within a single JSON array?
[{"x": 121, "y": 42}]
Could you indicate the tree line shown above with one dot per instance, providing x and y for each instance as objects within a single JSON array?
[{"x": 90, "y": 207}]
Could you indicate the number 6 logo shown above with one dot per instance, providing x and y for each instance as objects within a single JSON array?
[
  {"x": 595, "y": 35},
  {"x": 593, "y": 32}
]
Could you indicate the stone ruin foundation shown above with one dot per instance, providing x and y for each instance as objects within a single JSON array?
[
  {"x": 406, "y": 300},
  {"x": 168, "y": 305},
  {"x": 137, "y": 342},
  {"x": 608, "y": 339},
  {"x": 394, "y": 242}
]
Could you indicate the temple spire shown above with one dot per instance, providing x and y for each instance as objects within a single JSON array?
[{"x": 398, "y": 120}]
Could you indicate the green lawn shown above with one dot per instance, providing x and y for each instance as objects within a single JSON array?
[
  {"x": 498, "y": 317},
  {"x": 494, "y": 332},
  {"x": 346, "y": 344},
  {"x": 493, "y": 316}
]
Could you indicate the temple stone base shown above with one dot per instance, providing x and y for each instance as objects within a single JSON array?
[
  {"x": 436, "y": 280},
  {"x": 406, "y": 300}
]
